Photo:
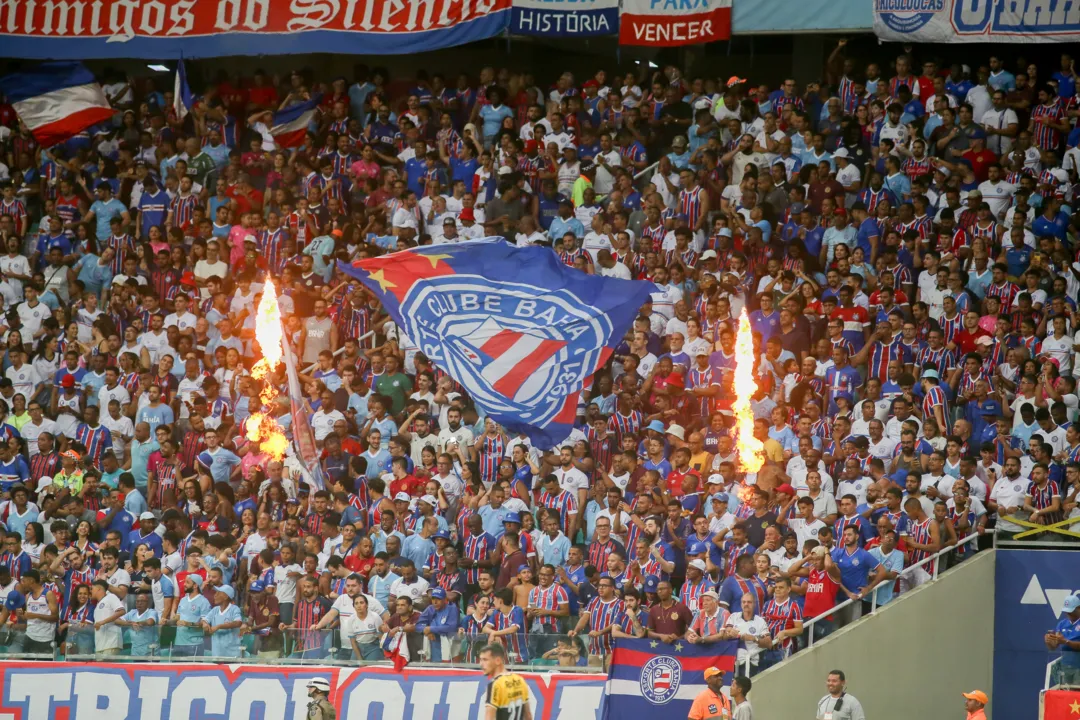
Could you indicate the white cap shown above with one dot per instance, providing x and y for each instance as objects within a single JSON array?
[
  {"x": 716, "y": 479},
  {"x": 505, "y": 170},
  {"x": 699, "y": 564},
  {"x": 842, "y": 153},
  {"x": 403, "y": 497},
  {"x": 430, "y": 500},
  {"x": 148, "y": 516},
  {"x": 708, "y": 254}
]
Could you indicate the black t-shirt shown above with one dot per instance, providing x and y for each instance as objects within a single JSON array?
[{"x": 756, "y": 526}]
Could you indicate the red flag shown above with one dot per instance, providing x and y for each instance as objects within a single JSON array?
[{"x": 1061, "y": 705}]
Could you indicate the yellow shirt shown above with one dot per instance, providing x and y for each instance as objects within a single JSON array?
[
  {"x": 773, "y": 450},
  {"x": 710, "y": 706},
  {"x": 508, "y": 694}
]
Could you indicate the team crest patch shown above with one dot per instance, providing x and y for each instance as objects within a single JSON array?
[
  {"x": 517, "y": 348},
  {"x": 660, "y": 679}
]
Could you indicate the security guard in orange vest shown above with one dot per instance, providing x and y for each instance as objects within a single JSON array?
[{"x": 711, "y": 704}]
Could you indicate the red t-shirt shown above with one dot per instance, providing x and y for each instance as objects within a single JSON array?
[
  {"x": 820, "y": 593},
  {"x": 408, "y": 484},
  {"x": 980, "y": 163},
  {"x": 675, "y": 480},
  {"x": 965, "y": 341},
  {"x": 358, "y": 564}
]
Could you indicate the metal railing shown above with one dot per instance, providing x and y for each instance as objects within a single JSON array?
[
  {"x": 871, "y": 593},
  {"x": 365, "y": 336}
]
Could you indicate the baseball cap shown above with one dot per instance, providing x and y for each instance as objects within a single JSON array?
[
  {"x": 521, "y": 567},
  {"x": 841, "y": 153},
  {"x": 720, "y": 497},
  {"x": 735, "y": 80},
  {"x": 710, "y": 593},
  {"x": 70, "y": 455},
  {"x": 651, "y": 583},
  {"x": 933, "y": 374},
  {"x": 716, "y": 479},
  {"x": 712, "y": 672},
  {"x": 403, "y": 497},
  {"x": 977, "y": 695},
  {"x": 991, "y": 407},
  {"x": 785, "y": 488},
  {"x": 257, "y": 586},
  {"x": 430, "y": 500},
  {"x": 504, "y": 170},
  {"x": 708, "y": 255},
  {"x": 977, "y": 134},
  {"x": 699, "y": 564},
  {"x": 14, "y": 600},
  {"x": 725, "y": 232},
  {"x": 147, "y": 516},
  {"x": 531, "y": 145},
  {"x": 449, "y": 221},
  {"x": 1071, "y": 603},
  {"x": 438, "y": 594},
  {"x": 227, "y": 589},
  {"x": 441, "y": 534},
  {"x": 197, "y": 579},
  {"x": 512, "y": 517}
]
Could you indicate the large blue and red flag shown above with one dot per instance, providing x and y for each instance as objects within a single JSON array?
[
  {"x": 290, "y": 125},
  {"x": 57, "y": 100},
  {"x": 647, "y": 675},
  {"x": 522, "y": 332}
]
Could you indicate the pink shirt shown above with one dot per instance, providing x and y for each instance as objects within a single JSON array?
[
  {"x": 364, "y": 170},
  {"x": 236, "y": 244}
]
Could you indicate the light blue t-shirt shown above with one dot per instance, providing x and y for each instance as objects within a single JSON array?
[
  {"x": 220, "y": 463},
  {"x": 104, "y": 212},
  {"x": 418, "y": 549},
  {"x": 225, "y": 643},
  {"x": 140, "y": 456},
  {"x": 154, "y": 416},
  {"x": 191, "y": 609},
  {"x": 143, "y": 636},
  {"x": 135, "y": 503},
  {"x": 893, "y": 562},
  {"x": 493, "y": 117},
  {"x": 493, "y": 519}
]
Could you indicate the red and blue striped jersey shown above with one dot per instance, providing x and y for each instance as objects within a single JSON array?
[
  {"x": 565, "y": 503},
  {"x": 602, "y": 614},
  {"x": 1005, "y": 293},
  {"x": 843, "y": 522},
  {"x": 655, "y": 235},
  {"x": 122, "y": 246},
  {"x": 733, "y": 552},
  {"x": 599, "y": 552},
  {"x": 306, "y": 616},
  {"x": 781, "y": 101},
  {"x": 951, "y": 326},
  {"x": 602, "y": 450},
  {"x": 331, "y": 186},
  {"x": 1046, "y": 137},
  {"x": 692, "y": 592},
  {"x": 690, "y": 204},
  {"x": 702, "y": 379},
  {"x": 73, "y": 579},
  {"x": 1043, "y": 497},
  {"x": 515, "y": 642},
  {"x": 967, "y": 382},
  {"x": 548, "y": 598},
  {"x": 914, "y": 168},
  {"x": 491, "y": 454},
  {"x": 990, "y": 232},
  {"x": 920, "y": 533},
  {"x": 17, "y": 210},
  {"x": 651, "y": 567},
  {"x": 166, "y": 477},
  {"x": 342, "y": 163},
  {"x": 871, "y": 198},
  {"x": 881, "y": 354},
  {"x": 68, "y": 208},
  {"x": 935, "y": 396},
  {"x": 780, "y": 617},
  {"x": 183, "y": 210},
  {"x": 271, "y": 245},
  {"x": 477, "y": 547},
  {"x": 44, "y": 464},
  {"x": 942, "y": 358},
  {"x": 95, "y": 440},
  {"x": 622, "y": 425}
]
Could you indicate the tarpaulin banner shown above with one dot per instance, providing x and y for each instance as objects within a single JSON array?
[
  {"x": 970, "y": 21},
  {"x": 565, "y": 18},
  {"x": 1030, "y": 591},
  {"x": 668, "y": 23},
  {"x": 107, "y": 691},
  {"x": 162, "y": 29}
]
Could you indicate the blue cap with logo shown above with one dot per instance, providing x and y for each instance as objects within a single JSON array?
[
  {"x": 257, "y": 586},
  {"x": 512, "y": 517},
  {"x": 651, "y": 583},
  {"x": 438, "y": 594}
]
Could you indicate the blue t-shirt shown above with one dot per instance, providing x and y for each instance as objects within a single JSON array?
[
  {"x": 13, "y": 472},
  {"x": 220, "y": 463},
  {"x": 154, "y": 209},
  {"x": 142, "y": 636},
  {"x": 855, "y": 569},
  {"x": 154, "y": 416}
]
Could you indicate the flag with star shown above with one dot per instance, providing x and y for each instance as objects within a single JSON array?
[
  {"x": 649, "y": 675},
  {"x": 1061, "y": 705},
  {"x": 519, "y": 330}
]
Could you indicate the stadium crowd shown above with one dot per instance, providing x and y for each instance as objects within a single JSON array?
[{"x": 904, "y": 245}]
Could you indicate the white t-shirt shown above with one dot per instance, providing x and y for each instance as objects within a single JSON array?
[
  {"x": 180, "y": 322},
  {"x": 24, "y": 380},
  {"x": 416, "y": 590},
  {"x": 619, "y": 270},
  {"x": 110, "y": 636},
  {"x": 205, "y": 268},
  {"x": 1009, "y": 493},
  {"x": 32, "y": 317},
  {"x": 998, "y": 196},
  {"x": 285, "y": 586},
  {"x": 755, "y": 627},
  {"x": 347, "y": 614}
]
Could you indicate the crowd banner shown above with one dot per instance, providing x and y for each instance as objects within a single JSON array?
[
  {"x": 970, "y": 21},
  {"x": 565, "y": 18},
  {"x": 167, "y": 29},
  {"x": 669, "y": 23},
  {"x": 132, "y": 691}
]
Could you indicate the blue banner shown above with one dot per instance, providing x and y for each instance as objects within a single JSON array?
[
  {"x": 521, "y": 332},
  {"x": 647, "y": 675},
  {"x": 976, "y": 21},
  {"x": 565, "y": 18},
  {"x": 164, "y": 29},
  {"x": 1030, "y": 588}
]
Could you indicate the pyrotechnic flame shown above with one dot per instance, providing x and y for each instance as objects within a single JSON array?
[
  {"x": 260, "y": 427},
  {"x": 751, "y": 450}
]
